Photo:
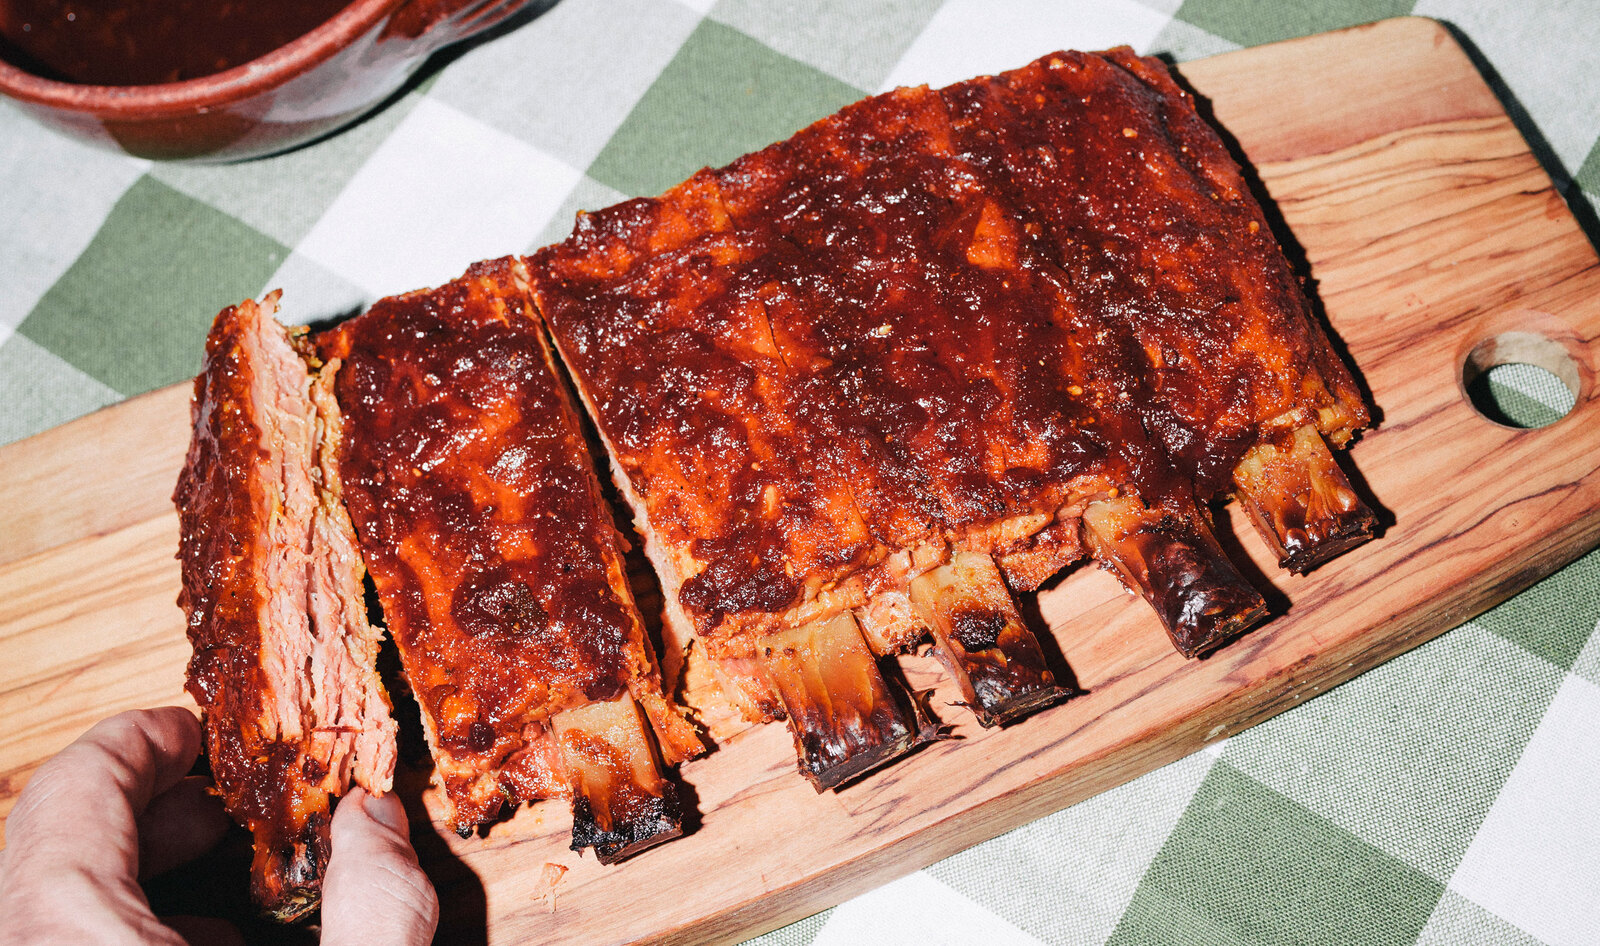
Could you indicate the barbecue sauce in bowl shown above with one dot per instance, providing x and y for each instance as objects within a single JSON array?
[{"x": 148, "y": 42}]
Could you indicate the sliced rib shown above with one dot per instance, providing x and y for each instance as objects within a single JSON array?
[
  {"x": 284, "y": 659},
  {"x": 500, "y": 573}
]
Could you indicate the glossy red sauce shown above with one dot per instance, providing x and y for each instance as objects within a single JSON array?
[
  {"x": 144, "y": 42},
  {"x": 929, "y": 312},
  {"x": 481, "y": 520}
]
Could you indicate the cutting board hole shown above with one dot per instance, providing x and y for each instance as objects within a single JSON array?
[{"x": 1520, "y": 379}]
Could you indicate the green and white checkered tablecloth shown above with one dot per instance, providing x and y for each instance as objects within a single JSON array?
[{"x": 1451, "y": 796}]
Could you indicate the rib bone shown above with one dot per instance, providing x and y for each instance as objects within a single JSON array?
[
  {"x": 1176, "y": 564},
  {"x": 1300, "y": 500},
  {"x": 846, "y": 718},
  {"x": 981, "y": 638},
  {"x": 621, "y": 804}
]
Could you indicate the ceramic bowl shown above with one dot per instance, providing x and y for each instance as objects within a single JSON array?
[{"x": 298, "y": 92}]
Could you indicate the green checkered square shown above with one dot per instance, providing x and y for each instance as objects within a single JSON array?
[
  {"x": 1588, "y": 176},
  {"x": 722, "y": 95},
  {"x": 1410, "y": 755},
  {"x": 1555, "y": 618},
  {"x": 1519, "y": 395},
  {"x": 133, "y": 311},
  {"x": 858, "y": 43},
  {"x": 40, "y": 390},
  {"x": 1251, "y": 23},
  {"x": 1180, "y": 42},
  {"x": 1248, "y": 865},
  {"x": 1587, "y": 665},
  {"x": 1067, "y": 877}
]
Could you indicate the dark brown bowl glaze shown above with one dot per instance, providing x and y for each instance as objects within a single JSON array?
[{"x": 297, "y": 92}]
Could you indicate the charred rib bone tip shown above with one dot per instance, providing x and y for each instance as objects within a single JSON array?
[
  {"x": 846, "y": 717},
  {"x": 1174, "y": 562},
  {"x": 287, "y": 878},
  {"x": 650, "y": 822},
  {"x": 296, "y": 905},
  {"x": 1300, "y": 501},
  {"x": 621, "y": 804},
  {"x": 982, "y": 640}
]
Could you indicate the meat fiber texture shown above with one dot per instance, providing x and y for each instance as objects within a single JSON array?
[
  {"x": 938, "y": 320},
  {"x": 493, "y": 551},
  {"x": 284, "y": 659}
]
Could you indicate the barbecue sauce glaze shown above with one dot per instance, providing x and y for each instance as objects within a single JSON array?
[
  {"x": 468, "y": 480},
  {"x": 932, "y": 311},
  {"x": 144, "y": 42}
]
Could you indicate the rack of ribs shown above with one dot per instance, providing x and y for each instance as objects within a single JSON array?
[
  {"x": 284, "y": 659},
  {"x": 500, "y": 572},
  {"x": 862, "y": 384}
]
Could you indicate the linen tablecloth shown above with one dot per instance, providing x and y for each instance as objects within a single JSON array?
[{"x": 1449, "y": 796}]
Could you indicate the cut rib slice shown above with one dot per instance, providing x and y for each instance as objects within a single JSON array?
[
  {"x": 497, "y": 564},
  {"x": 284, "y": 659}
]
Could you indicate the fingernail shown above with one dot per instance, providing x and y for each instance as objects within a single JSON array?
[{"x": 387, "y": 811}]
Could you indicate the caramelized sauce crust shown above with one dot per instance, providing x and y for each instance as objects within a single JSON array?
[
  {"x": 469, "y": 483},
  {"x": 932, "y": 311}
]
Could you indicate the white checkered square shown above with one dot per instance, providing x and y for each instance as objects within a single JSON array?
[
  {"x": 57, "y": 193},
  {"x": 441, "y": 192},
  {"x": 1549, "y": 60},
  {"x": 941, "y": 916},
  {"x": 1536, "y": 859},
  {"x": 311, "y": 293},
  {"x": 976, "y": 37}
]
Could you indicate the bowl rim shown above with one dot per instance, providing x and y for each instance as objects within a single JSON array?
[{"x": 279, "y": 65}]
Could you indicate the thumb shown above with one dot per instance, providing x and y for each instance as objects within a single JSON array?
[{"x": 374, "y": 891}]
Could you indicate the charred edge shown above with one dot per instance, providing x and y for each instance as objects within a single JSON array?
[
  {"x": 621, "y": 803},
  {"x": 977, "y": 628},
  {"x": 1002, "y": 677},
  {"x": 286, "y": 879},
  {"x": 640, "y": 823},
  {"x": 1176, "y": 565},
  {"x": 1301, "y": 502},
  {"x": 981, "y": 638},
  {"x": 846, "y": 717}
]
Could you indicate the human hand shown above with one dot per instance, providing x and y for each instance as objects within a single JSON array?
[{"x": 116, "y": 807}]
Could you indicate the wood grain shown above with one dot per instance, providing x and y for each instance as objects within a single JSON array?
[{"x": 1428, "y": 227}]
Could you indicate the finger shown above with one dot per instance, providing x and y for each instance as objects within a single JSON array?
[
  {"x": 179, "y": 825},
  {"x": 374, "y": 891},
  {"x": 79, "y": 811}
]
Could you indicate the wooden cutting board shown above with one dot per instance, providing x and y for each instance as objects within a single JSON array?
[{"x": 1430, "y": 231}]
